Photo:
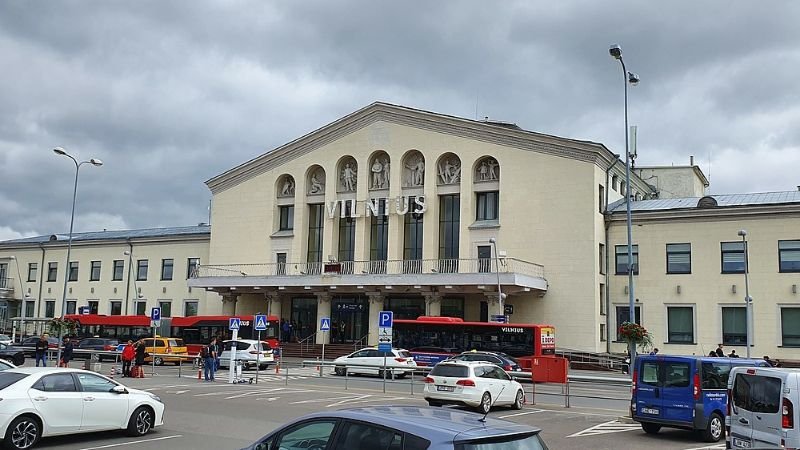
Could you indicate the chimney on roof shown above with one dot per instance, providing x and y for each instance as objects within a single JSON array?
[
  {"x": 691, "y": 160},
  {"x": 798, "y": 187}
]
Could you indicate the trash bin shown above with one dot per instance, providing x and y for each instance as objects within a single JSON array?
[{"x": 93, "y": 365}]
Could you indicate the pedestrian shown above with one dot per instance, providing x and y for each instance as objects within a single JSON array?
[
  {"x": 772, "y": 363},
  {"x": 654, "y": 352},
  {"x": 342, "y": 330},
  {"x": 285, "y": 330},
  {"x": 66, "y": 353},
  {"x": 292, "y": 330},
  {"x": 209, "y": 355},
  {"x": 712, "y": 353},
  {"x": 128, "y": 354},
  {"x": 141, "y": 354},
  {"x": 733, "y": 354},
  {"x": 40, "y": 350},
  {"x": 219, "y": 347},
  {"x": 720, "y": 351}
]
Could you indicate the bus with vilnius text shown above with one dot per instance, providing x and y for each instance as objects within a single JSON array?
[
  {"x": 197, "y": 331},
  {"x": 431, "y": 339}
]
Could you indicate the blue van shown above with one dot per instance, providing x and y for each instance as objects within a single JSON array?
[{"x": 688, "y": 392}]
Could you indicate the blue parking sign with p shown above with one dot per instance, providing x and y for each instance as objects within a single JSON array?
[
  {"x": 155, "y": 314},
  {"x": 385, "y": 319}
]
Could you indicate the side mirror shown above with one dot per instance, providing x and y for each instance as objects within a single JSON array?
[{"x": 119, "y": 389}]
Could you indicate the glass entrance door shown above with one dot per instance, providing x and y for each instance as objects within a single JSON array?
[
  {"x": 349, "y": 319},
  {"x": 303, "y": 319}
]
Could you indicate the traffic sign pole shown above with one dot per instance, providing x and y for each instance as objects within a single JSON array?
[
  {"x": 324, "y": 326},
  {"x": 233, "y": 325}
]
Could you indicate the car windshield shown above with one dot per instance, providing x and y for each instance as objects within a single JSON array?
[
  {"x": 176, "y": 343},
  {"x": 9, "y": 378},
  {"x": 450, "y": 370},
  {"x": 526, "y": 442}
]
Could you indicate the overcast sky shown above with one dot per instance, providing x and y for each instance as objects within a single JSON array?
[{"x": 170, "y": 94}]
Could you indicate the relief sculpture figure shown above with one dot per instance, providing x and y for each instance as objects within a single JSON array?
[
  {"x": 377, "y": 174},
  {"x": 348, "y": 178},
  {"x": 317, "y": 187}
]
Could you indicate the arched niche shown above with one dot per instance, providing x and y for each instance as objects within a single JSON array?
[
  {"x": 379, "y": 170},
  {"x": 315, "y": 180},
  {"x": 448, "y": 170},
  {"x": 346, "y": 174},
  {"x": 285, "y": 186},
  {"x": 486, "y": 169},
  {"x": 413, "y": 169}
]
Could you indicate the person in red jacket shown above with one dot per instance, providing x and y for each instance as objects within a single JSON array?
[{"x": 128, "y": 354}]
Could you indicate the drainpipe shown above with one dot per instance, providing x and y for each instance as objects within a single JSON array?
[
  {"x": 608, "y": 252},
  {"x": 128, "y": 284},
  {"x": 41, "y": 283}
]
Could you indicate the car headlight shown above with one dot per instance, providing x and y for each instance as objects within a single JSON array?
[{"x": 155, "y": 397}]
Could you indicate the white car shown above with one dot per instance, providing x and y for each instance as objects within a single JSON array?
[
  {"x": 370, "y": 361},
  {"x": 247, "y": 351},
  {"x": 477, "y": 384},
  {"x": 5, "y": 365},
  {"x": 5, "y": 339},
  {"x": 50, "y": 401}
]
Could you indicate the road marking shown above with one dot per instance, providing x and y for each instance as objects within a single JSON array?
[
  {"x": 364, "y": 399},
  {"x": 523, "y": 413},
  {"x": 133, "y": 442},
  {"x": 709, "y": 447},
  {"x": 181, "y": 392},
  {"x": 315, "y": 400},
  {"x": 613, "y": 426},
  {"x": 249, "y": 393}
]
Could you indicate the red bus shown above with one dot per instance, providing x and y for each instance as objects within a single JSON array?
[
  {"x": 122, "y": 328},
  {"x": 197, "y": 331},
  {"x": 432, "y": 339}
]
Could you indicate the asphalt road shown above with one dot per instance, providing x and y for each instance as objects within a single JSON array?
[{"x": 201, "y": 415}]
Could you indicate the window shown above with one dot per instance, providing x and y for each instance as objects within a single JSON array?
[
  {"x": 52, "y": 271},
  {"x": 679, "y": 258},
  {"x": 602, "y": 299},
  {"x": 621, "y": 259},
  {"x": 59, "y": 382},
  {"x": 71, "y": 305},
  {"x": 649, "y": 374},
  {"x": 484, "y": 258},
  {"x": 788, "y": 256},
  {"x": 280, "y": 269},
  {"x": 318, "y": 432},
  {"x": 93, "y": 383},
  {"x": 449, "y": 230},
  {"x": 286, "y": 218},
  {"x": 50, "y": 308},
  {"x": 602, "y": 199},
  {"x": 363, "y": 435},
  {"x": 116, "y": 308},
  {"x": 191, "y": 267},
  {"x": 379, "y": 239},
  {"x": 166, "y": 308},
  {"x": 166, "y": 269},
  {"x": 602, "y": 258},
  {"x": 623, "y": 315},
  {"x": 141, "y": 270},
  {"x": 73, "y": 271},
  {"x": 734, "y": 325},
  {"x": 141, "y": 308},
  {"x": 676, "y": 374},
  {"x": 190, "y": 308},
  {"x": 94, "y": 307},
  {"x": 347, "y": 239},
  {"x": 615, "y": 183},
  {"x": 732, "y": 257},
  {"x": 715, "y": 375},
  {"x": 32, "y": 269},
  {"x": 790, "y": 327},
  {"x": 488, "y": 207},
  {"x": 680, "y": 324},
  {"x": 452, "y": 307},
  {"x": 316, "y": 223},
  {"x": 30, "y": 307},
  {"x": 602, "y": 332},
  {"x": 412, "y": 242},
  {"x": 94, "y": 275},
  {"x": 757, "y": 394},
  {"x": 119, "y": 270}
]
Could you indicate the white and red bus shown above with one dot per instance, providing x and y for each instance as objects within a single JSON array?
[
  {"x": 197, "y": 331},
  {"x": 432, "y": 338},
  {"x": 122, "y": 328}
]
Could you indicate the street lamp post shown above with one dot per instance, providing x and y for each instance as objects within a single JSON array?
[
  {"x": 500, "y": 295},
  {"x": 748, "y": 301},
  {"x": 628, "y": 77},
  {"x": 94, "y": 162}
]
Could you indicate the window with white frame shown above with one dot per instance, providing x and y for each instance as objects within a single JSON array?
[
  {"x": 621, "y": 259},
  {"x": 679, "y": 258},
  {"x": 141, "y": 308},
  {"x": 116, "y": 307},
  {"x": 790, "y": 327},
  {"x": 732, "y": 255},
  {"x": 166, "y": 308},
  {"x": 680, "y": 324},
  {"x": 190, "y": 308}
]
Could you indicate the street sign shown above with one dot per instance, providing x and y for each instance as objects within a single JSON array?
[
  {"x": 83, "y": 310},
  {"x": 155, "y": 323},
  {"x": 384, "y": 347},
  {"x": 499, "y": 318},
  {"x": 509, "y": 309},
  {"x": 325, "y": 324},
  {"x": 233, "y": 324},
  {"x": 261, "y": 322},
  {"x": 155, "y": 314},
  {"x": 385, "y": 319}
]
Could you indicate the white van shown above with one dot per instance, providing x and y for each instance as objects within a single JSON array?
[{"x": 761, "y": 412}]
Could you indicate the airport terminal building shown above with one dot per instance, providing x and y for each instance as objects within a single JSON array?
[{"x": 393, "y": 208}]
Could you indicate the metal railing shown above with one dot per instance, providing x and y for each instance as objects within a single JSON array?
[
  {"x": 306, "y": 343},
  {"x": 361, "y": 343}
]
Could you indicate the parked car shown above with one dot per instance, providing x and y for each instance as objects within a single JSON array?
[
  {"x": 5, "y": 339},
  {"x": 164, "y": 349},
  {"x": 28, "y": 416},
  {"x": 400, "y": 427},
  {"x": 370, "y": 361},
  {"x": 247, "y": 351},
  {"x": 686, "y": 392},
  {"x": 430, "y": 355},
  {"x": 497, "y": 358},
  {"x": 477, "y": 384},
  {"x": 5, "y": 365},
  {"x": 30, "y": 342},
  {"x": 95, "y": 343},
  {"x": 761, "y": 411},
  {"x": 13, "y": 354}
]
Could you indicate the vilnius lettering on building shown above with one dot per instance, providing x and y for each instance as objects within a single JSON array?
[{"x": 371, "y": 207}]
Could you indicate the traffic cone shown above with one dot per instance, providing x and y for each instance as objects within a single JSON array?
[
  {"x": 113, "y": 371},
  {"x": 199, "y": 373},
  {"x": 277, "y": 368}
]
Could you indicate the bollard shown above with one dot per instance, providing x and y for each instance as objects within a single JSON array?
[{"x": 566, "y": 395}]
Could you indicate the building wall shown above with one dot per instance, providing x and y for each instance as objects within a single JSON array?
[{"x": 674, "y": 182}]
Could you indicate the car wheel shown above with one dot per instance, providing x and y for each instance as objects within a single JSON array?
[
  {"x": 339, "y": 370},
  {"x": 486, "y": 403},
  {"x": 23, "y": 432},
  {"x": 434, "y": 403},
  {"x": 519, "y": 400},
  {"x": 650, "y": 428},
  {"x": 19, "y": 359},
  {"x": 715, "y": 429},
  {"x": 141, "y": 421},
  {"x": 159, "y": 361}
]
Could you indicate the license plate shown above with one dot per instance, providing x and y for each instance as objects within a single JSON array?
[
  {"x": 741, "y": 443},
  {"x": 445, "y": 388},
  {"x": 652, "y": 411}
]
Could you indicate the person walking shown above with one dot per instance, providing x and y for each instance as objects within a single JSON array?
[
  {"x": 128, "y": 354},
  {"x": 141, "y": 354},
  {"x": 285, "y": 330},
  {"x": 66, "y": 353},
  {"x": 40, "y": 350},
  {"x": 209, "y": 355}
]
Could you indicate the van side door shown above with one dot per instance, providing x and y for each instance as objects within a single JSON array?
[
  {"x": 676, "y": 392},
  {"x": 767, "y": 393},
  {"x": 648, "y": 402}
]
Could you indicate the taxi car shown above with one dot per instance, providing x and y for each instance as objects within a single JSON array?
[{"x": 164, "y": 349}]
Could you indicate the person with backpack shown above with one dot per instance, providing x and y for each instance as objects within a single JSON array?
[
  {"x": 209, "y": 355},
  {"x": 128, "y": 354}
]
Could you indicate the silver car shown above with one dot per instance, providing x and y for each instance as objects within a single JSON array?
[{"x": 371, "y": 361}]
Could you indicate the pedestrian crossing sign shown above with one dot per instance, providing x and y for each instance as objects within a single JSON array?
[
  {"x": 261, "y": 322},
  {"x": 325, "y": 324},
  {"x": 233, "y": 323}
]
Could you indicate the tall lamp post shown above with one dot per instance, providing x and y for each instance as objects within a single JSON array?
[
  {"x": 94, "y": 162},
  {"x": 748, "y": 301},
  {"x": 633, "y": 79},
  {"x": 500, "y": 295}
]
